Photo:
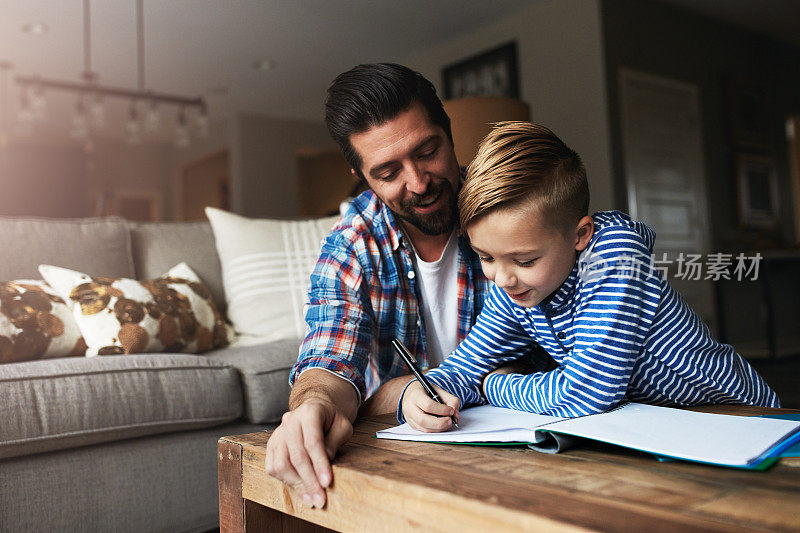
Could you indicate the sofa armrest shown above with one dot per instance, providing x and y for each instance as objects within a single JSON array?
[{"x": 264, "y": 369}]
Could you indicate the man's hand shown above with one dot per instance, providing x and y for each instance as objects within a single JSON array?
[
  {"x": 300, "y": 450},
  {"x": 423, "y": 413}
]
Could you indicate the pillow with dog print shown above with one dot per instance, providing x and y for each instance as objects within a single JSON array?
[{"x": 173, "y": 313}]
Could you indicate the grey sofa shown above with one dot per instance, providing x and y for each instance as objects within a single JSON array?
[{"x": 127, "y": 442}]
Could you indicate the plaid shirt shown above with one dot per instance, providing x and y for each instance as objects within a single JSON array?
[{"x": 364, "y": 292}]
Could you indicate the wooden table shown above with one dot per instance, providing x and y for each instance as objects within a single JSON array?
[{"x": 386, "y": 485}]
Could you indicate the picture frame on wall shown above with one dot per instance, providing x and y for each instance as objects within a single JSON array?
[
  {"x": 489, "y": 73},
  {"x": 758, "y": 191},
  {"x": 143, "y": 206}
]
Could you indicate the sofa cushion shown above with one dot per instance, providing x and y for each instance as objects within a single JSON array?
[
  {"x": 266, "y": 267},
  {"x": 98, "y": 245},
  {"x": 36, "y": 323},
  {"x": 173, "y": 313},
  {"x": 157, "y": 246},
  {"x": 57, "y": 404},
  {"x": 159, "y": 483},
  {"x": 264, "y": 370}
]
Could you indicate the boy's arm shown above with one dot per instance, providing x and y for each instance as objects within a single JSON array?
[
  {"x": 496, "y": 338},
  {"x": 614, "y": 313}
]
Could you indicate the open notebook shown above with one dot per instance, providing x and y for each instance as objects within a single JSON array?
[{"x": 735, "y": 441}]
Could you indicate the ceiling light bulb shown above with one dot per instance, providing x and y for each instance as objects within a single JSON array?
[
  {"x": 132, "y": 127},
  {"x": 35, "y": 28},
  {"x": 97, "y": 111},
  {"x": 25, "y": 114},
  {"x": 263, "y": 64},
  {"x": 181, "y": 131},
  {"x": 201, "y": 123},
  {"x": 182, "y": 136},
  {"x": 80, "y": 123},
  {"x": 133, "y": 133},
  {"x": 80, "y": 127},
  {"x": 38, "y": 104},
  {"x": 152, "y": 117}
]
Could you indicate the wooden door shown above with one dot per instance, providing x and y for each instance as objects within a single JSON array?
[
  {"x": 324, "y": 180},
  {"x": 793, "y": 139},
  {"x": 665, "y": 175},
  {"x": 201, "y": 183}
]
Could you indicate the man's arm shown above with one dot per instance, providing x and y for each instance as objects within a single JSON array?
[
  {"x": 323, "y": 404},
  {"x": 384, "y": 400},
  {"x": 322, "y": 408}
]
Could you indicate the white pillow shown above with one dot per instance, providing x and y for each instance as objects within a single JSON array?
[{"x": 266, "y": 267}]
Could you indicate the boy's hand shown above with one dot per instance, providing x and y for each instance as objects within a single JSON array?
[{"x": 426, "y": 414}]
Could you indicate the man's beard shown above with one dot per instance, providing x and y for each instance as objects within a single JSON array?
[{"x": 439, "y": 222}]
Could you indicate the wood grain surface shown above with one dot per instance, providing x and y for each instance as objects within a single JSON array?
[{"x": 386, "y": 485}]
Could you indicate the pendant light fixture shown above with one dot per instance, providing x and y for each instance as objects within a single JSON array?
[{"x": 144, "y": 106}]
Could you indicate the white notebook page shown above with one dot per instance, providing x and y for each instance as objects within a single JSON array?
[
  {"x": 712, "y": 438},
  {"x": 484, "y": 423}
]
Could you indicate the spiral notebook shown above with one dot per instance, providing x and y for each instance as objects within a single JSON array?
[{"x": 724, "y": 440}]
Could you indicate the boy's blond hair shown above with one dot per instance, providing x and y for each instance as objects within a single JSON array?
[{"x": 521, "y": 161}]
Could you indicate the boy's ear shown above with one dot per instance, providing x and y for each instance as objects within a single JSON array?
[{"x": 583, "y": 233}]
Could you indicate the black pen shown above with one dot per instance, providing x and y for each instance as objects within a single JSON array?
[{"x": 403, "y": 352}]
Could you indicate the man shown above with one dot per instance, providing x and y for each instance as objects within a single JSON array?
[{"x": 392, "y": 267}]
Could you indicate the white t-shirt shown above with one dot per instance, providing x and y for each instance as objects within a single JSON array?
[{"x": 438, "y": 284}]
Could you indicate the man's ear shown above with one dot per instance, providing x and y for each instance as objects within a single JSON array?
[
  {"x": 583, "y": 233},
  {"x": 354, "y": 173}
]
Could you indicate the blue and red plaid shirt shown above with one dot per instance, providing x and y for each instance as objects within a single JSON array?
[{"x": 364, "y": 293}]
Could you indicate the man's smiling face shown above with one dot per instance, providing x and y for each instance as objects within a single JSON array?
[{"x": 410, "y": 164}]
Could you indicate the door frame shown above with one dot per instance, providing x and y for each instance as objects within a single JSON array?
[{"x": 627, "y": 74}]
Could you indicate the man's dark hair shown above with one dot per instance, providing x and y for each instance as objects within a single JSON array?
[{"x": 369, "y": 95}]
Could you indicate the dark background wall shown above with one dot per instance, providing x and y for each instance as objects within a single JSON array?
[
  {"x": 659, "y": 39},
  {"x": 655, "y": 38}
]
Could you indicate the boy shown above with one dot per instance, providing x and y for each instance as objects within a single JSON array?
[{"x": 583, "y": 288}]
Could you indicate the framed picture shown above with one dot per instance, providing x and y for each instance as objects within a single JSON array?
[
  {"x": 749, "y": 115},
  {"x": 758, "y": 191},
  {"x": 490, "y": 73}
]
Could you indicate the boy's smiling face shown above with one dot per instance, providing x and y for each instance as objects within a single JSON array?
[{"x": 526, "y": 258}]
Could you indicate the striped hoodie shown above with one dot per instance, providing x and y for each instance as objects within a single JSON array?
[{"x": 617, "y": 331}]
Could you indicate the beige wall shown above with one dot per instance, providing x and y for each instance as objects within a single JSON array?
[
  {"x": 123, "y": 169},
  {"x": 43, "y": 181},
  {"x": 62, "y": 180},
  {"x": 264, "y": 164},
  {"x": 561, "y": 68}
]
